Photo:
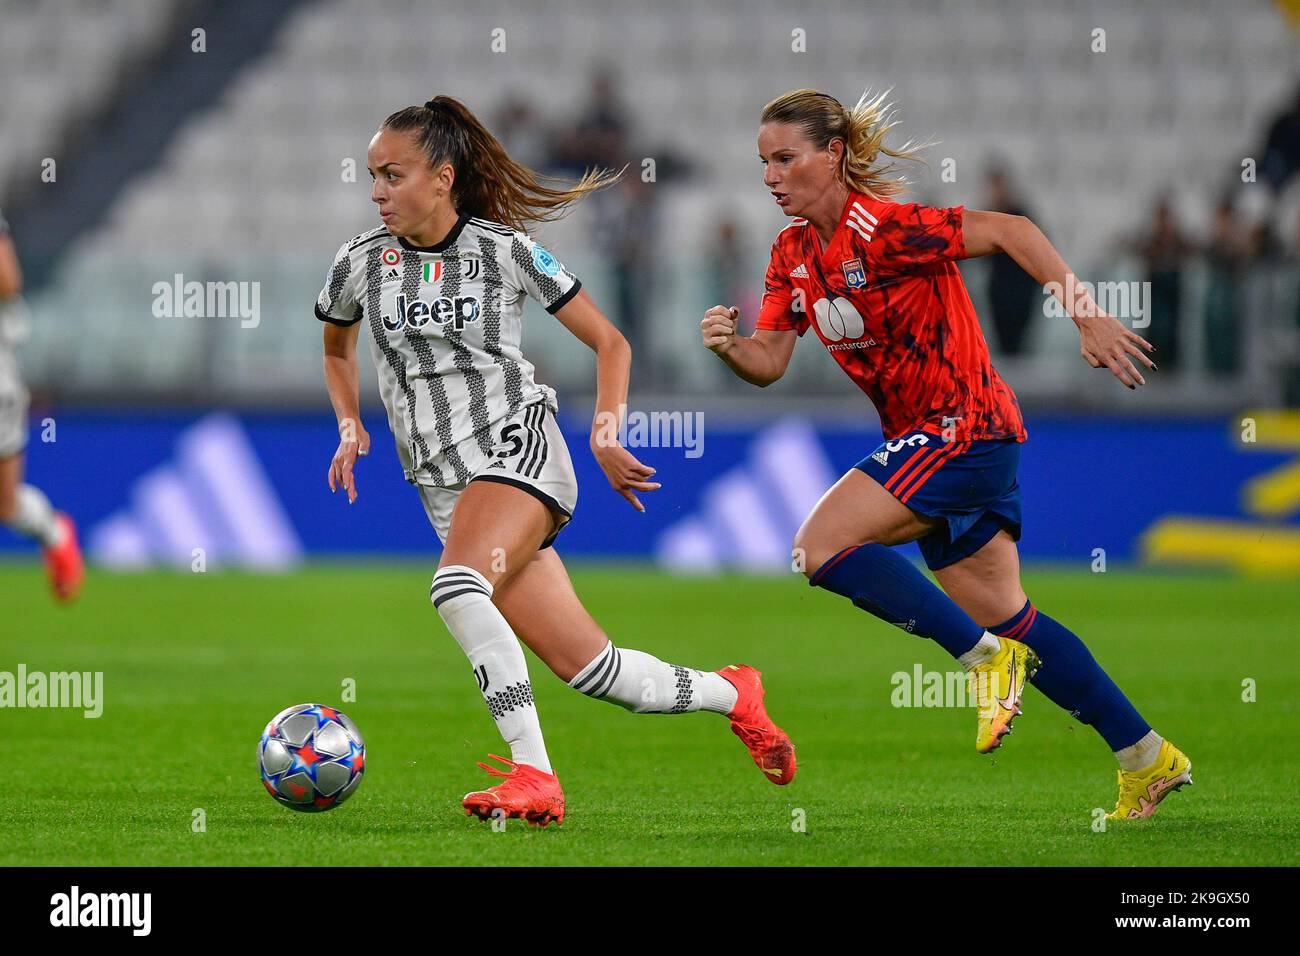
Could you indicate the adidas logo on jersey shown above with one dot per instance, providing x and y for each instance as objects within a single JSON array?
[
  {"x": 800, "y": 271},
  {"x": 390, "y": 276}
]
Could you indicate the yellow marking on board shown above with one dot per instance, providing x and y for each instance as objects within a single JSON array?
[
  {"x": 1274, "y": 494},
  {"x": 1274, "y": 430},
  {"x": 1250, "y": 548}
]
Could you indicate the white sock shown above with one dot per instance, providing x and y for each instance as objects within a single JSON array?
[
  {"x": 981, "y": 653},
  {"x": 35, "y": 517},
  {"x": 463, "y": 598},
  {"x": 646, "y": 685},
  {"x": 1140, "y": 755}
]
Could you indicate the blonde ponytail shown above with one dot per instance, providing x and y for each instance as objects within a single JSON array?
[{"x": 862, "y": 129}]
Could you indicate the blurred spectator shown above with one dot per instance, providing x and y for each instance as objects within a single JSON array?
[
  {"x": 1291, "y": 371},
  {"x": 1164, "y": 251},
  {"x": 731, "y": 278},
  {"x": 1282, "y": 146},
  {"x": 600, "y": 135},
  {"x": 625, "y": 217},
  {"x": 1226, "y": 257},
  {"x": 522, "y": 132},
  {"x": 728, "y": 279},
  {"x": 1263, "y": 245},
  {"x": 1014, "y": 296},
  {"x": 625, "y": 231}
]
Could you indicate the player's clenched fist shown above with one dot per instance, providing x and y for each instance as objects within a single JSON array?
[{"x": 719, "y": 326}]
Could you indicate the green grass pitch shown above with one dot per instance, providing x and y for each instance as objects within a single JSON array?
[{"x": 195, "y": 664}]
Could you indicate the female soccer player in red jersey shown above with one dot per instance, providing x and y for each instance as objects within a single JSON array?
[
  {"x": 439, "y": 290},
  {"x": 877, "y": 281}
]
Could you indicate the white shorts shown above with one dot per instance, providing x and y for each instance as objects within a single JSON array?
[
  {"x": 528, "y": 452},
  {"x": 13, "y": 406}
]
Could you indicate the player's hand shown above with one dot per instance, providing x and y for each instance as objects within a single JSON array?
[
  {"x": 1105, "y": 343},
  {"x": 626, "y": 475},
  {"x": 354, "y": 443},
  {"x": 719, "y": 327}
]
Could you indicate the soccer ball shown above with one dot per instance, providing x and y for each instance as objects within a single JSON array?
[{"x": 311, "y": 757}]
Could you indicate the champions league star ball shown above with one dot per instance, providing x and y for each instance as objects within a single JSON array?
[{"x": 311, "y": 757}]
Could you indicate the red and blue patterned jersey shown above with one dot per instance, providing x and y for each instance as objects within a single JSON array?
[{"x": 888, "y": 302}]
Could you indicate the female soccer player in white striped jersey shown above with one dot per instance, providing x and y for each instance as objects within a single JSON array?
[
  {"x": 439, "y": 291},
  {"x": 24, "y": 507}
]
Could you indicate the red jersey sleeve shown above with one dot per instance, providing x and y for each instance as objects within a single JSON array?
[
  {"x": 781, "y": 309},
  {"x": 911, "y": 235}
]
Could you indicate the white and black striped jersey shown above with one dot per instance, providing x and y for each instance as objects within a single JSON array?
[
  {"x": 444, "y": 324},
  {"x": 14, "y": 326}
]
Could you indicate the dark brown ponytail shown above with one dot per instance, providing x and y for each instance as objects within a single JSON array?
[{"x": 488, "y": 183}]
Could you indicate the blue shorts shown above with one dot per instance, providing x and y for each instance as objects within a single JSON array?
[{"x": 970, "y": 486}]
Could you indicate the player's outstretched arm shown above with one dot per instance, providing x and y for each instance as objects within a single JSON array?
[
  {"x": 1104, "y": 341},
  {"x": 342, "y": 383},
  {"x": 760, "y": 359},
  {"x": 613, "y": 363}
]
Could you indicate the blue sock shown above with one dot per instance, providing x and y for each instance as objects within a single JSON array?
[
  {"x": 884, "y": 583},
  {"x": 1072, "y": 679}
]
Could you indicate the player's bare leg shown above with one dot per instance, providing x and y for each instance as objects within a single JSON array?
[
  {"x": 546, "y": 614},
  {"x": 11, "y": 476},
  {"x": 495, "y": 529},
  {"x": 855, "y": 511},
  {"x": 845, "y": 545},
  {"x": 25, "y": 509},
  {"x": 541, "y": 605},
  {"x": 987, "y": 584}
]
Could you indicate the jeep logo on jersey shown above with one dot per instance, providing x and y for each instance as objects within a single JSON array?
[
  {"x": 838, "y": 319},
  {"x": 417, "y": 313}
]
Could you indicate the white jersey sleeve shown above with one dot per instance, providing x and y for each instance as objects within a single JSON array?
[
  {"x": 535, "y": 272},
  {"x": 15, "y": 325},
  {"x": 339, "y": 301}
]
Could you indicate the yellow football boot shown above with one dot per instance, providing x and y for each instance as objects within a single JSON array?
[
  {"x": 997, "y": 685},
  {"x": 1140, "y": 791}
]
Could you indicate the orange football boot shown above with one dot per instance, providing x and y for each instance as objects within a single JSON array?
[
  {"x": 63, "y": 563},
  {"x": 527, "y": 794},
  {"x": 768, "y": 744}
]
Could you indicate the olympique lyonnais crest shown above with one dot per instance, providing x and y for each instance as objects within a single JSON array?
[{"x": 854, "y": 274}]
